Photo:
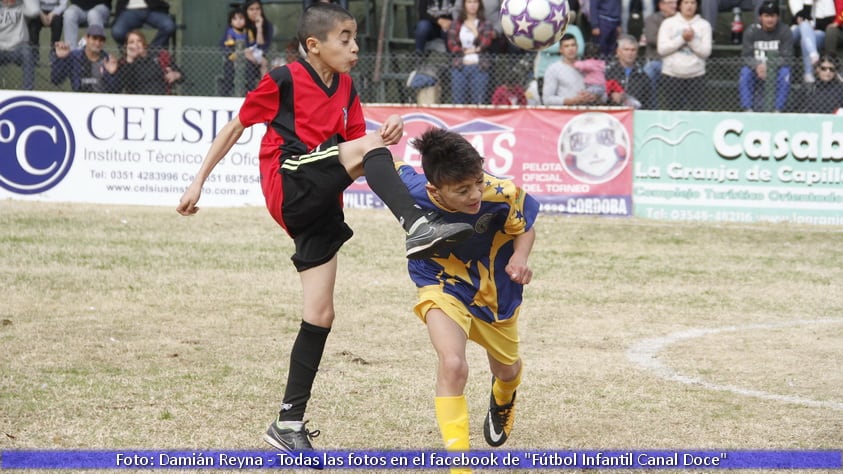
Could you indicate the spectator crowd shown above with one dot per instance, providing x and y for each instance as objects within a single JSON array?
[{"x": 643, "y": 54}]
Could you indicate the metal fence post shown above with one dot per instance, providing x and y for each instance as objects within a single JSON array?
[{"x": 239, "y": 69}]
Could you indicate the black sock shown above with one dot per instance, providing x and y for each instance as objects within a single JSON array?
[
  {"x": 384, "y": 181},
  {"x": 304, "y": 363}
]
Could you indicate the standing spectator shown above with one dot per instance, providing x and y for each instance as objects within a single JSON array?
[
  {"x": 263, "y": 32},
  {"x": 309, "y": 3},
  {"x": 563, "y": 84},
  {"x": 650, "y": 39},
  {"x": 810, "y": 18},
  {"x": 626, "y": 82},
  {"x": 767, "y": 47},
  {"x": 142, "y": 71},
  {"x": 469, "y": 40},
  {"x": 684, "y": 44},
  {"x": 133, "y": 14},
  {"x": 605, "y": 18},
  {"x": 435, "y": 18},
  {"x": 710, "y": 9},
  {"x": 827, "y": 96},
  {"x": 84, "y": 12},
  {"x": 85, "y": 67},
  {"x": 14, "y": 37},
  {"x": 629, "y": 10},
  {"x": 50, "y": 17}
]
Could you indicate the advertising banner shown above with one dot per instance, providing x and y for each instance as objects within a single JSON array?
[
  {"x": 572, "y": 162},
  {"x": 739, "y": 167},
  {"x": 124, "y": 149}
]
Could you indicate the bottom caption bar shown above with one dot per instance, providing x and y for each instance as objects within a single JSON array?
[{"x": 532, "y": 459}]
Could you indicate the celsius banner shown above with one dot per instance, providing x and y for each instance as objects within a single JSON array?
[
  {"x": 124, "y": 149},
  {"x": 739, "y": 167}
]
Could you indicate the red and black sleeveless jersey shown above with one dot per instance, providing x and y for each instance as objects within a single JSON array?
[{"x": 301, "y": 112}]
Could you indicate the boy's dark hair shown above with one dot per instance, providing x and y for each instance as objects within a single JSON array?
[
  {"x": 566, "y": 37},
  {"x": 447, "y": 157},
  {"x": 235, "y": 11},
  {"x": 319, "y": 19}
]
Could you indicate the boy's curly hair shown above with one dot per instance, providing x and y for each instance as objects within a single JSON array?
[{"x": 447, "y": 157}]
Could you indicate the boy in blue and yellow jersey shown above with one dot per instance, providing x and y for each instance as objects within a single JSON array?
[{"x": 471, "y": 291}]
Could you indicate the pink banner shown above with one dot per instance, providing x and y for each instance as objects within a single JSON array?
[{"x": 571, "y": 161}]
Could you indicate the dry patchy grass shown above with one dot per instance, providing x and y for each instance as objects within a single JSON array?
[{"x": 133, "y": 327}]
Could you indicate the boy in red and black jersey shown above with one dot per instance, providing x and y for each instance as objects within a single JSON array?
[{"x": 315, "y": 146}]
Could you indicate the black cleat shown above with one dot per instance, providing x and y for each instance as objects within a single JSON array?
[
  {"x": 499, "y": 421},
  {"x": 431, "y": 233}
]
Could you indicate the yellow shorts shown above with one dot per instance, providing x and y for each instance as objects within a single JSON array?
[{"x": 500, "y": 339}]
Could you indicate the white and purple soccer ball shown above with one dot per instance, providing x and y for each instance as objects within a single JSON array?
[{"x": 534, "y": 24}]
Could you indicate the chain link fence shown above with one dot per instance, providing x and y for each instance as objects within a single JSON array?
[{"x": 208, "y": 72}]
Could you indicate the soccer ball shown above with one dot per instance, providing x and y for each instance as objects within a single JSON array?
[{"x": 534, "y": 24}]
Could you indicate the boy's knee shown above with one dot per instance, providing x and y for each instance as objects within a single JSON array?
[{"x": 455, "y": 367}]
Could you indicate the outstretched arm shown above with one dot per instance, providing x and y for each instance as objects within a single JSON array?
[
  {"x": 221, "y": 145},
  {"x": 517, "y": 268}
]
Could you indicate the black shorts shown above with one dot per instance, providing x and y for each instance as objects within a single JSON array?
[{"x": 312, "y": 208}]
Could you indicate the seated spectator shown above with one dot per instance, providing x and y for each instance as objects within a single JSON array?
[
  {"x": 84, "y": 13},
  {"x": 832, "y": 31},
  {"x": 133, "y": 14},
  {"x": 684, "y": 44},
  {"x": 563, "y": 84},
  {"x": 14, "y": 37},
  {"x": 649, "y": 38},
  {"x": 550, "y": 55},
  {"x": 811, "y": 18},
  {"x": 142, "y": 71},
  {"x": 469, "y": 40},
  {"x": 85, "y": 67},
  {"x": 710, "y": 9},
  {"x": 509, "y": 94},
  {"x": 237, "y": 40},
  {"x": 50, "y": 17},
  {"x": 626, "y": 82},
  {"x": 263, "y": 31},
  {"x": 593, "y": 70},
  {"x": 435, "y": 18},
  {"x": 767, "y": 48},
  {"x": 605, "y": 19},
  {"x": 827, "y": 94}
]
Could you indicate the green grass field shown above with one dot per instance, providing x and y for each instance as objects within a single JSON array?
[{"x": 134, "y": 327}]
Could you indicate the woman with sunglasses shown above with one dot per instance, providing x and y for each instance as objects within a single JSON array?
[{"x": 827, "y": 94}]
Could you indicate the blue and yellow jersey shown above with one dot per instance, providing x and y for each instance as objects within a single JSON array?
[{"x": 473, "y": 271}]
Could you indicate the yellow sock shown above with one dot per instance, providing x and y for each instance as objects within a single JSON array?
[
  {"x": 503, "y": 390},
  {"x": 452, "y": 415}
]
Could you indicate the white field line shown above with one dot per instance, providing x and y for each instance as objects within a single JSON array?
[{"x": 645, "y": 354}]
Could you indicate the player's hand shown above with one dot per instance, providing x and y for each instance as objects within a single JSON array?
[
  {"x": 392, "y": 130},
  {"x": 187, "y": 203},
  {"x": 519, "y": 272}
]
